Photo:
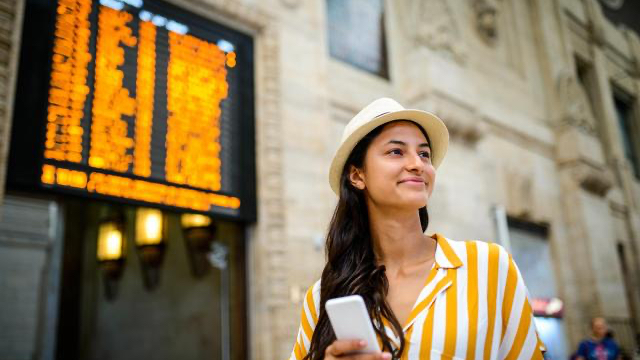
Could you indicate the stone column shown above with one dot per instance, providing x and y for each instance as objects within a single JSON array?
[
  {"x": 11, "y": 13},
  {"x": 585, "y": 181},
  {"x": 632, "y": 193}
]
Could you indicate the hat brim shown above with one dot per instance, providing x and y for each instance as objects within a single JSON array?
[{"x": 432, "y": 125}]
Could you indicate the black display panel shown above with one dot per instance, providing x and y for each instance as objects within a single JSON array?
[{"x": 135, "y": 101}]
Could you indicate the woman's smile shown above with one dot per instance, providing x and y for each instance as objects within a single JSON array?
[{"x": 414, "y": 181}]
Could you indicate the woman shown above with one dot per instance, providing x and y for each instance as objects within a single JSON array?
[{"x": 428, "y": 296}]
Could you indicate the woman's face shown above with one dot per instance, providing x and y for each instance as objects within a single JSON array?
[{"x": 397, "y": 170}]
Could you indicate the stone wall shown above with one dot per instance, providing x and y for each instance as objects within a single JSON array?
[
  {"x": 30, "y": 256},
  {"x": 11, "y": 12}
]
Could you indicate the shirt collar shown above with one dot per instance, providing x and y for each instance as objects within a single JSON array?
[{"x": 446, "y": 256}]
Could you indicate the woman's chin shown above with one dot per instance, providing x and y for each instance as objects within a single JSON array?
[{"x": 414, "y": 202}]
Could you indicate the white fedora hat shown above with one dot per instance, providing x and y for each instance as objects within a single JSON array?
[{"x": 380, "y": 112}]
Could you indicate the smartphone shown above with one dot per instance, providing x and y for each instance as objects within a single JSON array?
[{"x": 350, "y": 321}]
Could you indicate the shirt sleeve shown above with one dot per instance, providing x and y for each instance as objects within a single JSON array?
[
  {"x": 308, "y": 321},
  {"x": 520, "y": 339}
]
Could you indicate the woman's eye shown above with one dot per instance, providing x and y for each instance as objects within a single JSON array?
[
  {"x": 425, "y": 154},
  {"x": 395, "y": 152}
]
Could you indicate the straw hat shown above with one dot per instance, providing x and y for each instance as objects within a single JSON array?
[{"x": 380, "y": 112}]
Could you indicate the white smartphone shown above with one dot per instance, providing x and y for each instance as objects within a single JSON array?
[{"x": 350, "y": 321}]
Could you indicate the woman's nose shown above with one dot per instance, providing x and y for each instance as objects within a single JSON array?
[{"x": 414, "y": 162}]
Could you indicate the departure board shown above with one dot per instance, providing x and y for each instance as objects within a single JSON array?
[{"x": 147, "y": 102}]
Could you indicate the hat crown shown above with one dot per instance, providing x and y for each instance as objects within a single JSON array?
[
  {"x": 378, "y": 113},
  {"x": 373, "y": 110}
]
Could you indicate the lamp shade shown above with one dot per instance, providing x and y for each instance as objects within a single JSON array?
[
  {"x": 149, "y": 227},
  {"x": 195, "y": 220},
  {"x": 110, "y": 244}
]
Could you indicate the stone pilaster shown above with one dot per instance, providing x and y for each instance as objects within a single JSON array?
[
  {"x": 585, "y": 181},
  {"x": 11, "y": 13},
  {"x": 268, "y": 301},
  {"x": 269, "y": 283}
]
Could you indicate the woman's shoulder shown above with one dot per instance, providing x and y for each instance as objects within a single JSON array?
[
  {"x": 482, "y": 252},
  {"x": 314, "y": 288},
  {"x": 472, "y": 245},
  {"x": 487, "y": 246},
  {"x": 312, "y": 295},
  {"x": 492, "y": 252}
]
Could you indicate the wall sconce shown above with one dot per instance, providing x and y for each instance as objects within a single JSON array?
[
  {"x": 198, "y": 233},
  {"x": 150, "y": 228},
  {"x": 111, "y": 253}
]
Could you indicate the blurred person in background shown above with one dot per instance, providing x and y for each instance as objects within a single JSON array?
[{"x": 601, "y": 345}]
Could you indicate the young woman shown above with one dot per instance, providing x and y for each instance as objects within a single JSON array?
[{"x": 428, "y": 296}]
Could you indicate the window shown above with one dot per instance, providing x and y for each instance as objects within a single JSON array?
[
  {"x": 356, "y": 34},
  {"x": 531, "y": 251},
  {"x": 630, "y": 133}
]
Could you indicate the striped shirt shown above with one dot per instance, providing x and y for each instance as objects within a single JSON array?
[{"x": 474, "y": 305}]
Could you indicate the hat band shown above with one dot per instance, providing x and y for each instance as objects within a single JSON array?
[{"x": 384, "y": 113}]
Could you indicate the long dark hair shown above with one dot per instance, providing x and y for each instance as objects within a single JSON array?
[{"x": 351, "y": 264}]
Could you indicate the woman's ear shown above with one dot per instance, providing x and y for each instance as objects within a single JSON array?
[{"x": 356, "y": 177}]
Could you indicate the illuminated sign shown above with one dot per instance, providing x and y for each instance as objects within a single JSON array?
[
  {"x": 547, "y": 307},
  {"x": 144, "y": 103}
]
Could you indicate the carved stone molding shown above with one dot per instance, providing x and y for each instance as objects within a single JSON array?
[
  {"x": 613, "y": 4},
  {"x": 617, "y": 201},
  {"x": 248, "y": 15},
  {"x": 431, "y": 23},
  {"x": 596, "y": 21},
  {"x": 461, "y": 120},
  {"x": 634, "y": 46},
  {"x": 463, "y": 128},
  {"x": 574, "y": 145},
  {"x": 486, "y": 12},
  {"x": 462, "y": 124},
  {"x": 581, "y": 155},
  {"x": 292, "y": 4},
  {"x": 575, "y": 106},
  {"x": 594, "y": 179},
  {"x": 519, "y": 192}
]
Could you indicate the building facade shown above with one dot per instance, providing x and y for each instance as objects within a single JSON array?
[{"x": 542, "y": 101}]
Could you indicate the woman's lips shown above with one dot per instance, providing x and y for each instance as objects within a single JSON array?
[{"x": 412, "y": 181}]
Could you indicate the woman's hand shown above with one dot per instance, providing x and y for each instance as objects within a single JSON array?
[{"x": 339, "y": 348}]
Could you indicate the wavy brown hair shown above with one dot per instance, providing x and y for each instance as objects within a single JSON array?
[{"x": 351, "y": 263}]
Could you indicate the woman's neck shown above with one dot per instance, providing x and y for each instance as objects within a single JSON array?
[{"x": 398, "y": 239}]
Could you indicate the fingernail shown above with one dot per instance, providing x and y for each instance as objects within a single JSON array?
[
  {"x": 386, "y": 356},
  {"x": 362, "y": 343}
]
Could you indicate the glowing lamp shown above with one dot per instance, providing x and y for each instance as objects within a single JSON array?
[
  {"x": 111, "y": 254},
  {"x": 149, "y": 227},
  {"x": 195, "y": 221},
  {"x": 110, "y": 241},
  {"x": 150, "y": 243}
]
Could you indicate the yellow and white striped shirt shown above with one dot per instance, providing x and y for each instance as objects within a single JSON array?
[{"x": 474, "y": 305}]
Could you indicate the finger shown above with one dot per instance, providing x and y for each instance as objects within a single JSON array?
[
  {"x": 378, "y": 356},
  {"x": 340, "y": 347}
]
